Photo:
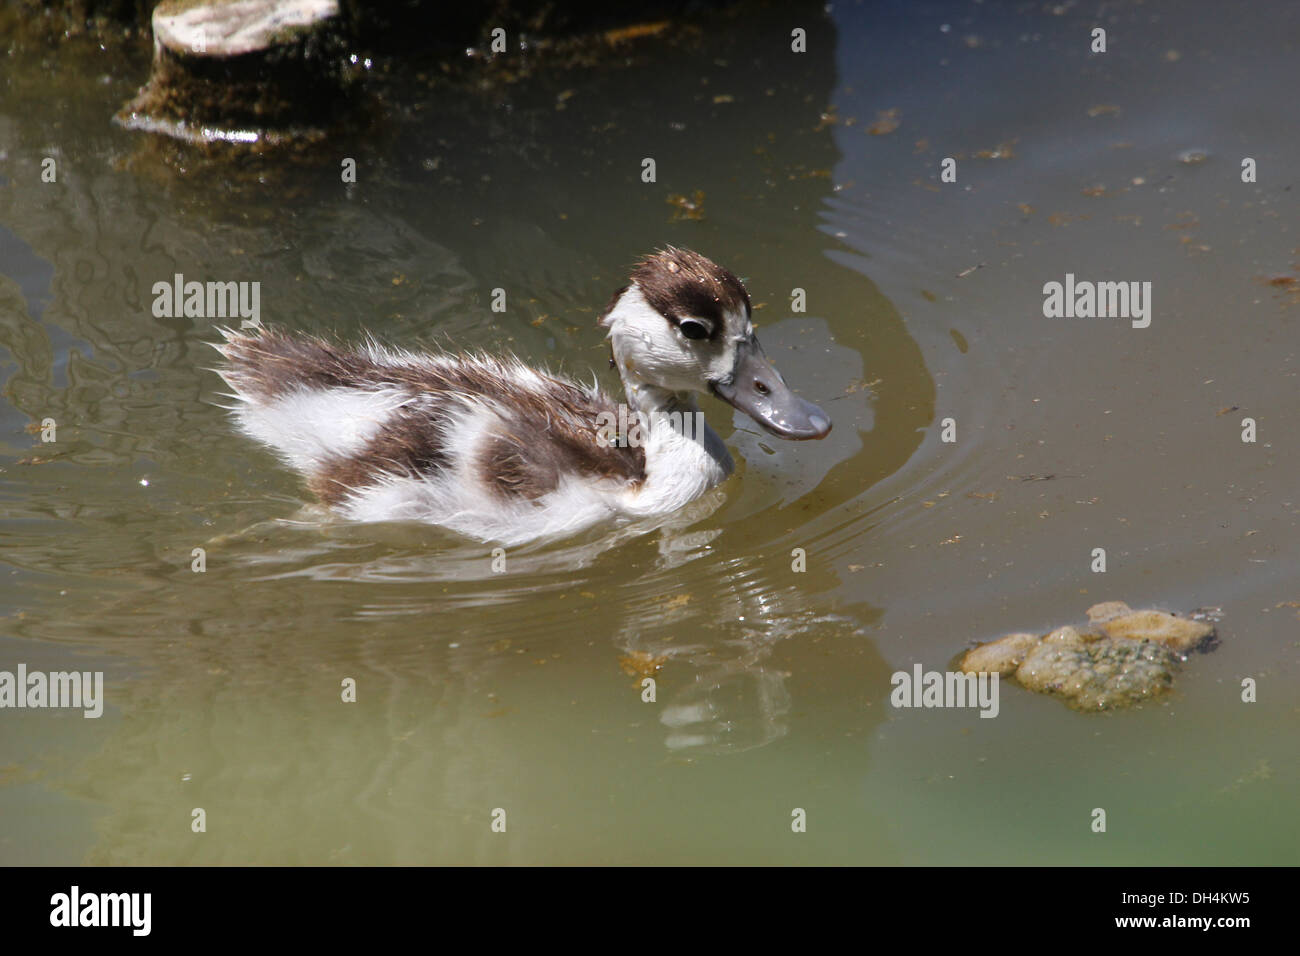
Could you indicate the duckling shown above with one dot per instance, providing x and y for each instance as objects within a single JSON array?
[{"x": 498, "y": 451}]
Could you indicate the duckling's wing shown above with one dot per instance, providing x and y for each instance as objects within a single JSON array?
[{"x": 547, "y": 430}]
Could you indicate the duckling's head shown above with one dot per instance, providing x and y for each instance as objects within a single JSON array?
[{"x": 684, "y": 325}]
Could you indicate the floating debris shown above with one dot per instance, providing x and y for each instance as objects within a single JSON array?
[
  {"x": 1285, "y": 285},
  {"x": 687, "y": 207},
  {"x": 635, "y": 32},
  {"x": 1125, "y": 657},
  {"x": 642, "y": 664},
  {"x": 1000, "y": 151},
  {"x": 886, "y": 122}
]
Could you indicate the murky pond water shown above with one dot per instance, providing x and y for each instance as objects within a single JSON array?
[{"x": 521, "y": 690}]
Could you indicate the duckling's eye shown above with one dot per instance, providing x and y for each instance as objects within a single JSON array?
[{"x": 692, "y": 329}]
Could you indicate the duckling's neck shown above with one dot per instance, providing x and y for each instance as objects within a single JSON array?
[
  {"x": 683, "y": 454},
  {"x": 655, "y": 401}
]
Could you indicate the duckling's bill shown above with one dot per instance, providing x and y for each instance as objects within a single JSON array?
[{"x": 757, "y": 389}]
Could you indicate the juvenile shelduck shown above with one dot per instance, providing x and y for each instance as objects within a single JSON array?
[{"x": 500, "y": 452}]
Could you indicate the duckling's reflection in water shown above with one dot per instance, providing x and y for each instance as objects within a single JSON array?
[
  {"x": 736, "y": 698},
  {"x": 738, "y": 706},
  {"x": 706, "y": 634},
  {"x": 318, "y": 545}
]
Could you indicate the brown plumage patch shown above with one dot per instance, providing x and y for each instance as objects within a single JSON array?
[
  {"x": 515, "y": 463},
  {"x": 544, "y": 430},
  {"x": 510, "y": 468},
  {"x": 410, "y": 444},
  {"x": 679, "y": 283},
  {"x": 271, "y": 364}
]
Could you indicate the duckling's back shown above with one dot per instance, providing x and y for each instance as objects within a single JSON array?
[{"x": 487, "y": 447}]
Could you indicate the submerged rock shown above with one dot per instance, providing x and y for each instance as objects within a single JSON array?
[
  {"x": 1131, "y": 656},
  {"x": 244, "y": 71}
]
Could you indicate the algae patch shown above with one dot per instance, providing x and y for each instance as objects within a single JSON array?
[{"x": 1123, "y": 658}]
